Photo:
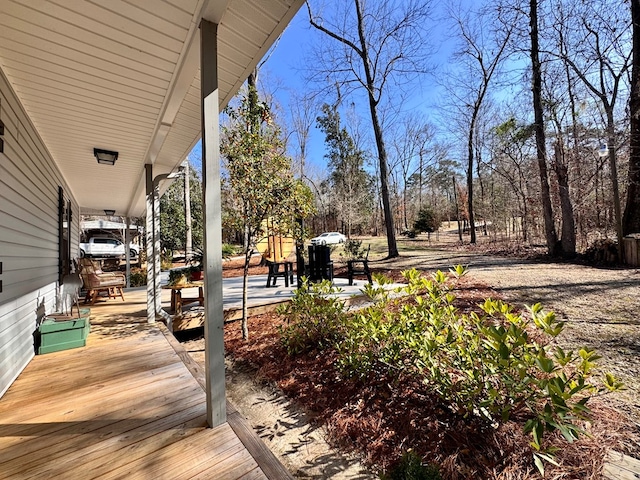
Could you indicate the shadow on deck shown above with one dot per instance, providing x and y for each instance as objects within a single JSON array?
[{"x": 124, "y": 406}]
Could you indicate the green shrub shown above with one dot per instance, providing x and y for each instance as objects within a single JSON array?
[
  {"x": 314, "y": 317},
  {"x": 427, "y": 221},
  {"x": 179, "y": 275},
  {"x": 228, "y": 250},
  {"x": 166, "y": 260},
  {"x": 353, "y": 250},
  {"x": 411, "y": 467},
  {"x": 138, "y": 277},
  {"x": 494, "y": 365}
]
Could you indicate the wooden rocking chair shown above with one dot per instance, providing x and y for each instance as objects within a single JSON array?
[{"x": 96, "y": 281}]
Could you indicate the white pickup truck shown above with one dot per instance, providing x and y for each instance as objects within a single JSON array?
[{"x": 106, "y": 247}]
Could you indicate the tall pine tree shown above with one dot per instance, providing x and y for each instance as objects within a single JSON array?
[{"x": 351, "y": 185}]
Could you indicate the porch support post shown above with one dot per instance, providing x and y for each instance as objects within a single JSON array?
[
  {"x": 150, "y": 237},
  {"x": 127, "y": 247},
  {"x": 157, "y": 298},
  {"x": 214, "y": 323}
]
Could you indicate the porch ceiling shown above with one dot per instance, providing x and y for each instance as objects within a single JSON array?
[{"x": 124, "y": 76}]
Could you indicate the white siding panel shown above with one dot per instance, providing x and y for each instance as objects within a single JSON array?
[
  {"x": 80, "y": 78},
  {"x": 29, "y": 181},
  {"x": 25, "y": 148},
  {"x": 17, "y": 357},
  {"x": 186, "y": 5},
  {"x": 98, "y": 97},
  {"x": 145, "y": 13}
]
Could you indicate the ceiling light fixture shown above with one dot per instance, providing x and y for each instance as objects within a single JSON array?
[
  {"x": 105, "y": 157},
  {"x": 109, "y": 213}
]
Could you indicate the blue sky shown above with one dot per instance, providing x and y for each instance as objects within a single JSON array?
[
  {"x": 285, "y": 68},
  {"x": 283, "y": 72}
]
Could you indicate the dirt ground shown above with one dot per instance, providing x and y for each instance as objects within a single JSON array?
[{"x": 600, "y": 306}]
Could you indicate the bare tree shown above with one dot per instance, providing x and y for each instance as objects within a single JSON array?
[
  {"x": 597, "y": 54},
  {"x": 560, "y": 162},
  {"x": 381, "y": 44},
  {"x": 410, "y": 145},
  {"x": 538, "y": 112},
  {"x": 480, "y": 56},
  {"x": 303, "y": 113},
  {"x": 511, "y": 160},
  {"x": 631, "y": 219}
]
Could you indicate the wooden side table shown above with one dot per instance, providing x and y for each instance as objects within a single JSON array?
[{"x": 178, "y": 301}]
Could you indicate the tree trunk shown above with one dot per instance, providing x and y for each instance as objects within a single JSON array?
[
  {"x": 568, "y": 241},
  {"x": 549, "y": 227},
  {"x": 631, "y": 219},
  {"x": 617, "y": 210},
  {"x": 245, "y": 289},
  {"x": 377, "y": 130},
  {"x": 455, "y": 196},
  {"x": 472, "y": 226}
]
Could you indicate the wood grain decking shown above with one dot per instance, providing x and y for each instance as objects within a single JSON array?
[{"x": 124, "y": 406}]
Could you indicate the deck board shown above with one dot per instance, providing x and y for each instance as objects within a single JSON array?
[
  {"x": 621, "y": 467},
  {"x": 124, "y": 406}
]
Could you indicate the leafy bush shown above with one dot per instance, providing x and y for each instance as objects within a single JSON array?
[
  {"x": 411, "y": 467},
  {"x": 228, "y": 250},
  {"x": 178, "y": 275},
  {"x": 353, "y": 250},
  {"x": 165, "y": 264},
  {"x": 166, "y": 260},
  {"x": 314, "y": 317},
  {"x": 427, "y": 221},
  {"x": 138, "y": 277},
  {"x": 494, "y": 365}
]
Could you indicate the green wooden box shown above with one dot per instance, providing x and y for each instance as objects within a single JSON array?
[{"x": 58, "y": 333}]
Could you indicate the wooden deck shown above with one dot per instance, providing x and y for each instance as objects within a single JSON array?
[{"x": 124, "y": 406}]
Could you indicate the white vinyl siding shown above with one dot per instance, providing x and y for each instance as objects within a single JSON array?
[{"x": 29, "y": 181}]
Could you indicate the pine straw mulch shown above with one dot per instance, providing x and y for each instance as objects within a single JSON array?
[
  {"x": 384, "y": 416},
  {"x": 234, "y": 267}
]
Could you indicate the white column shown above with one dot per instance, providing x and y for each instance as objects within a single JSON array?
[
  {"x": 156, "y": 250},
  {"x": 214, "y": 323},
  {"x": 149, "y": 236},
  {"x": 187, "y": 212},
  {"x": 127, "y": 247}
]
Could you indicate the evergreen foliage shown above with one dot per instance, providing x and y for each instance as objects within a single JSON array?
[
  {"x": 350, "y": 185},
  {"x": 258, "y": 178},
  {"x": 494, "y": 365},
  {"x": 427, "y": 220},
  {"x": 172, "y": 216}
]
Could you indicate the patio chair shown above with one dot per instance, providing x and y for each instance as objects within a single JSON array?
[
  {"x": 96, "y": 281},
  {"x": 359, "y": 266},
  {"x": 320, "y": 264}
]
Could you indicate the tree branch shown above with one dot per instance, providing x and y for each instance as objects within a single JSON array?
[{"x": 332, "y": 34}]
